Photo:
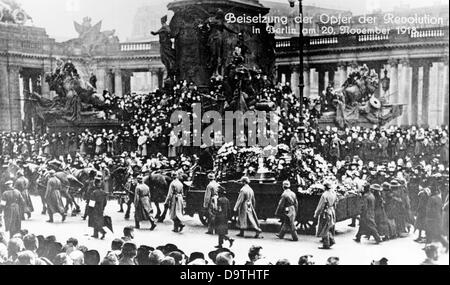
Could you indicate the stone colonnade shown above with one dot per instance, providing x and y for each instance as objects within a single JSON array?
[
  {"x": 421, "y": 84},
  {"x": 119, "y": 81}
]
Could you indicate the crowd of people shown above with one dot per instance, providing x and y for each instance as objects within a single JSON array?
[{"x": 401, "y": 174}]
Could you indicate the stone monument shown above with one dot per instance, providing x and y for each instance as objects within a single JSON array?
[{"x": 205, "y": 41}]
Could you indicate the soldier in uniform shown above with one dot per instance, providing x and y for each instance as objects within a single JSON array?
[
  {"x": 287, "y": 210},
  {"x": 53, "y": 197},
  {"x": 22, "y": 184},
  {"x": 99, "y": 199},
  {"x": 174, "y": 201},
  {"x": 245, "y": 207},
  {"x": 326, "y": 214},
  {"x": 10, "y": 204},
  {"x": 143, "y": 208},
  {"x": 211, "y": 189},
  {"x": 367, "y": 224}
]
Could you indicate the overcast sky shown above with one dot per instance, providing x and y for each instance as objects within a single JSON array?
[{"x": 57, "y": 16}]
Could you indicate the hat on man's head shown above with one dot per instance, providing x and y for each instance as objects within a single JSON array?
[
  {"x": 211, "y": 176},
  {"x": 245, "y": 179},
  {"x": 386, "y": 186},
  {"x": 395, "y": 184},
  {"x": 375, "y": 187},
  {"x": 9, "y": 183}
]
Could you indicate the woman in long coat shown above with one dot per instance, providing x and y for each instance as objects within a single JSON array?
[
  {"x": 11, "y": 203},
  {"x": 96, "y": 219},
  {"x": 174, "y": 201},
  {"x": 245, "y": 206}
]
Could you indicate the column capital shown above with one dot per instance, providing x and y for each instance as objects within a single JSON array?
[
  {"x": 306, "y": 67},
  {"x": 445, "y": 59},
  {"x": 405, "y": 62},
  {"x": 342, "y": 64},
  {"x": 295, "y": 68},
  {"x": 393, "y": 62}
]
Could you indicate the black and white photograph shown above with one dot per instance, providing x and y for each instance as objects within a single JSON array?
[{"x": 224, "y": 132}]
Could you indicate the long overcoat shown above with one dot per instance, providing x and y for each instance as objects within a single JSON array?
[
  {"x": 175, "y": 199},
  {"x": 326, "y": 213},
  {"x": 287, "y": 210},
  {"x": 53, "y": 196},
  {"x": 367, "y": 222},
  {"x": 142, "y": 200},
  {"x": 96, "y": 218},
  {"x": 245, "y": 206},
  {"x": 13, "y": 201},
  {"x": 22, "y": 184}
]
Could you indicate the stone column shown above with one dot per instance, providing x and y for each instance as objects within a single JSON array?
[
  {"x": 155, "y": 79},
  {"x": 5, "y": 116},
  {"x": 331, "y": 75},
  {"x": 101, "y": 76},
  {"x": 405, "y": 90},
  {"x": 45, "y": 88},
  {"x": 126, "y": 82},
  {"x": 394, "y": 93},
  {"x": 295, "y": 80},
  {"x": 109, "y": 81},
  {"x": 426, "y": 93},
  {"x": 415, "y": 95},
  {"x": 321, "y": 80},
  {"x": 307, "y": 81},
  {"x": 118, "y": 82},
  {"x": 14, "y": 96},
  {"x": 446, "y": 91},
  {"x": 342, "y": 73}
]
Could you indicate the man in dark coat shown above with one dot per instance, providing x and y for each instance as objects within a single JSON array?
[
  {"x": 222, "y": 209},
  {"x": 385, "y": 227},
  {"x": 367, "y": 225},
  {"x": 205, "y": 159},
  {"x": 22, "y": 184},
  {"x": 287, "y": 210},
  {"x": 421, "y": 212},
  {"x": 434, "y": 218},
  {"x": 53, "y": 197},
  {"x": 98, "y": 199},
  {"x": 143, "y": 208},
  {"x": 10, "y": 204}
]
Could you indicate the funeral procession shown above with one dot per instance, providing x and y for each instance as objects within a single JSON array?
[{"x": 224, "y": 132}]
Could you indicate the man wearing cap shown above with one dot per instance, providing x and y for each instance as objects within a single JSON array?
[
  {"x": 174, "y": 201},
  {"x": 143, "y": 208},
  {"x": 99, "y": 198},
  {"x": 211, "y": 190},
  {"x": 326, "y": 214},
  {"x": 53, "y": 197},
  {"x": 245, "y": 207},
  {"x": 222, "y": 216},
  {"x": 11, "y": 203},
  {"x": 22, "y": 184},
  {"x": 287, "y": 210},
  {"x": 367, "y": 224}
]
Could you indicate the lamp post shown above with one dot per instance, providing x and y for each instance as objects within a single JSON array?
[{"x": 301, "y": 79}]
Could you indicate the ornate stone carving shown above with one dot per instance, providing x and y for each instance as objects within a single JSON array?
[
  {"x": 393, "y": 62},
  {"x": 405, "y": 62},
  {"x": 91, "y": 39},
  {"x": 12, "y": 12}
]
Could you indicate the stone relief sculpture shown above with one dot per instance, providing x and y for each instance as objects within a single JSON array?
[{"x": 12, "y": 12}]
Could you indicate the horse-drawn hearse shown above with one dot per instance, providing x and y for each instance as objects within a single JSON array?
[{"x": 267, "y": 194}]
